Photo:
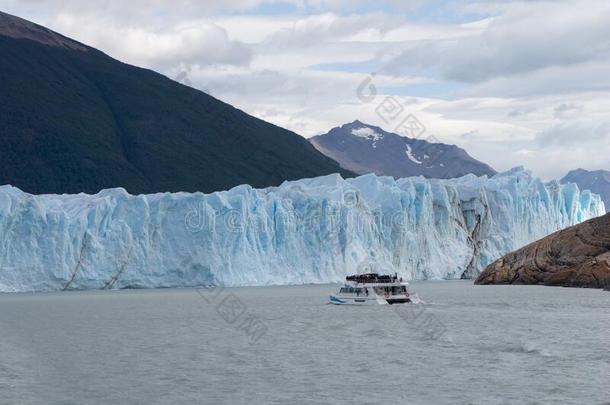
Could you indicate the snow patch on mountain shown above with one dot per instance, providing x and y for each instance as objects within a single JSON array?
[
  {"x": 367, "y": 133},
  {"x": 306, "y": 231},
  {"x": 412, "y": 158}
]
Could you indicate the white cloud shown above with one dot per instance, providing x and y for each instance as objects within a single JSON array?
[
  {"x": 533, "y": 83},
  {"x": 189, "y": 42},
  {"x": 527, "y": 38}
]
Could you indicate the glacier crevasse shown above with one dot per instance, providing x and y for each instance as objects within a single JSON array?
[{"x": 306, "y": 231}]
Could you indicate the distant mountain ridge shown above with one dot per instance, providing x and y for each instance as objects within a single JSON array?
[
  {"x": 73, "y": 119},
  {"x": 597, "y": 181},
  {"x": 364, "y": 148}
]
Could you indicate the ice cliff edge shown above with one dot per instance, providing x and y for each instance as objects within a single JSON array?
[{"x": 306, "y": 231}]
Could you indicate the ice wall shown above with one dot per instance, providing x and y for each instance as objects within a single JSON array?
[{"x": 307, "y": 231}]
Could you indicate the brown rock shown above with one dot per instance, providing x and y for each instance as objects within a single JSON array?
[{"x": 578, "y": 256}]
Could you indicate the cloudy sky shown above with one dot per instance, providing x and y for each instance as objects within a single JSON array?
[{"x": 513, "y": 82}]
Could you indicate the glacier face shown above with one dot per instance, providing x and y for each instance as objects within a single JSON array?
[{"x": 307, "y": 231}]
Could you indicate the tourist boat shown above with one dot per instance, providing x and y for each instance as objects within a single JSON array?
[{"x": 372, "y": 289}]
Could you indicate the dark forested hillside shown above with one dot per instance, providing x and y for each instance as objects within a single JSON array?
[{"x": 73, "y": 119}]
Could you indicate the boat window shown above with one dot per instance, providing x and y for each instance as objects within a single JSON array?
[{"x": 351, "y": 290}]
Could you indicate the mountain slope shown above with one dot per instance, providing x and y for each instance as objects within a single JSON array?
[
  {"x": 575, "y": 257},
  {"x": 365, "y": 149},
  {"x": 73, "y": 119},
  {"x": 597, "y": 181}
]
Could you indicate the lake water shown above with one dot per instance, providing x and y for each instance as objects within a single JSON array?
[{"x": 284, "y": 345}]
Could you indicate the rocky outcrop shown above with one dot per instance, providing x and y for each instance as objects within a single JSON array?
[{"x": 578, "y": 256}]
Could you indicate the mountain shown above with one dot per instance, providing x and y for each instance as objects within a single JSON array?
[
  {"x": 575, "y": 257},
  {"x": 597, "y": 181},
  {"x": 305, "y": 231},
  {"x": 365, "y": 149},
  {"x": 73, "y": 119}
]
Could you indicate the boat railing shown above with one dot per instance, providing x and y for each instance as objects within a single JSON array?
[{"x": 374, "y": 279}]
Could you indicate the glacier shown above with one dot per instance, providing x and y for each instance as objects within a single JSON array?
[{"x": 306, "y": 231}]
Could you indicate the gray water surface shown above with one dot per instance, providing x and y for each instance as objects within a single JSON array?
[{"x": 467, "y": 345}]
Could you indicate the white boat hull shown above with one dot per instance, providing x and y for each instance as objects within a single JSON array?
[
  {"x": 342, "y": 300},
  {"x": 372, "y": 289}
]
